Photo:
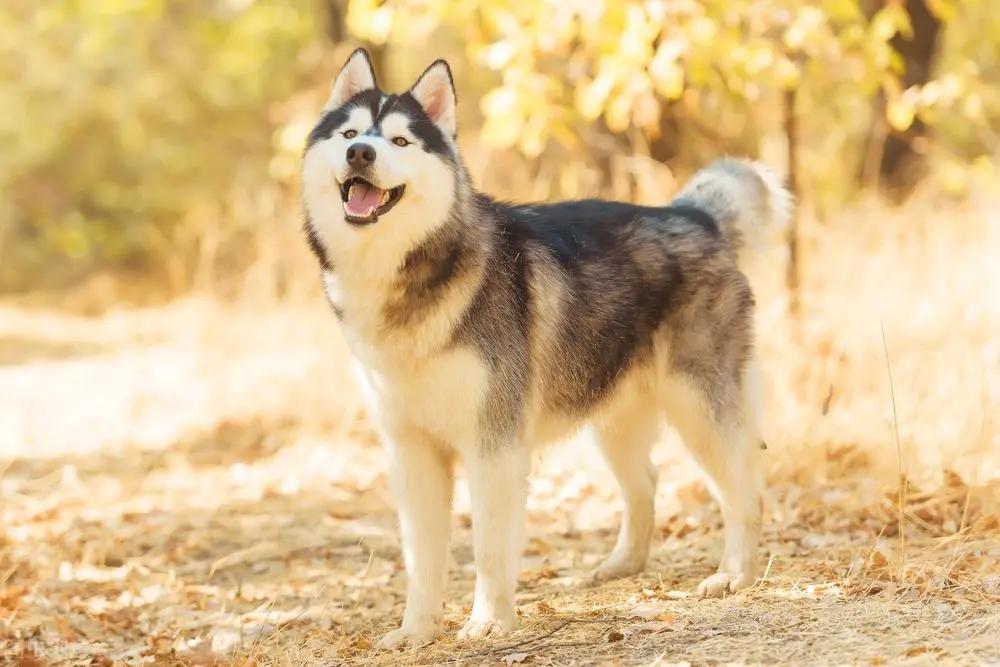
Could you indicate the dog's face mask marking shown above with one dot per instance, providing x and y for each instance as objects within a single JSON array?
[{"x": 383, "y": 155}]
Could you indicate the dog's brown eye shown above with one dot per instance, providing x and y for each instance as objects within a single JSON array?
[
  {"x": 350, "y": 134},
  {"x": 400, "y": 141}
]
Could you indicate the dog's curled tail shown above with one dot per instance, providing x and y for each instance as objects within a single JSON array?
[{"x": 745, "y": 198}]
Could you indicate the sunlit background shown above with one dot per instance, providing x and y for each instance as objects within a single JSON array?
[{"x": 178, "y": 426}]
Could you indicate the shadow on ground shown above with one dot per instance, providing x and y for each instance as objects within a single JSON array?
[{"x": 19, "y": 350}]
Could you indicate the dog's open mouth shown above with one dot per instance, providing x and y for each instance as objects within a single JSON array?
[{"x": 364, "y": 202}]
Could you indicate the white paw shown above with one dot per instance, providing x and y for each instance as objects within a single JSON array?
[
  {"x": 413, "y": 636},
  {"x": 616, "y": 567},
  {"x": 721, "y": 583},
  {"x": 496, "y": 625}
]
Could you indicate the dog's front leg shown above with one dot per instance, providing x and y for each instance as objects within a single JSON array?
[
  {"x": 422, "y": 483},
  {"x": 498, "y": 482}
]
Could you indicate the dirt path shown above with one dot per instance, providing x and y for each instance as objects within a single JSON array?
[{"x": 183, "y": 493}]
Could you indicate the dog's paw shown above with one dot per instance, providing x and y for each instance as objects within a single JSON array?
[
  {"x": 496, "y": 625},
  {"x": 413, "y": 637},
  {"x": 618, "y": 567},
  {"x": 722, "y": 583}
]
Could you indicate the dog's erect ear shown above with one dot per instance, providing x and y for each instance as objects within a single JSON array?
[
  {"x": 356, "y": 75},
  {"x": 435, "y": 91}
]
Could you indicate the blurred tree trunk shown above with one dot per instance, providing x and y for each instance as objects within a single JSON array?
[
  {"x": 335, "y": 14},
  {"x": 792, "y": 272},
  {"x": 898, "y": 154},
  {"x": 664, "y": 147},
  {"x": 901, "y": 163}
]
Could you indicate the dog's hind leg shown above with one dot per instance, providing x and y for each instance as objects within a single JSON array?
[
  {"x": 723, "y": 439},
  {"x": 625, "y": 440}
]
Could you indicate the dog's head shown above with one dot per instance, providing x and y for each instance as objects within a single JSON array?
[{"x": 383, "y": 158}]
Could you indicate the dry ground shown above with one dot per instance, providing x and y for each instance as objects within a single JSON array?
[{"x": 198, "y": 484}]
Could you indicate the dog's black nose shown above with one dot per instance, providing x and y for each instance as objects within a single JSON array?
[{"x": 360, "y": 155}]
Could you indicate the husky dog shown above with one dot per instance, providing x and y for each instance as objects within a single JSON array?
[{"x": 483, "y": 329}]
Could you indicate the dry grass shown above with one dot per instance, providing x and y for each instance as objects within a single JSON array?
[{"x": 198, "y": 484}]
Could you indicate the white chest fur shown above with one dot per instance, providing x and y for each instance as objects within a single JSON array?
[{"x": 411, "y": 379}]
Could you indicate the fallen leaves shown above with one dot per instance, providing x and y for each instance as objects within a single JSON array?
[
  {"x": 512, "y": 658},
  {"x": 877, "y": 559},
  {"x": 10, "y": 597},
  {"x": 650, "y": 610},
  {"x": 650, "y": 626},
  {"x": 260, "y": 540}
]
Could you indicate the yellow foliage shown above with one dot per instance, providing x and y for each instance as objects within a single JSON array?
[
  {"x": 136, "y": 133},
  {"x": 900, "y": 112},
  {"x": 624, "y": 61}
]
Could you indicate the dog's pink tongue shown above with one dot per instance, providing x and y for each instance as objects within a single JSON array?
[{"x": 363, "y": 199}]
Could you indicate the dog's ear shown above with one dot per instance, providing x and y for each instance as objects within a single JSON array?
[
  {"x": 435, "y": 91},
  {"x": 356, "y": 75}
]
